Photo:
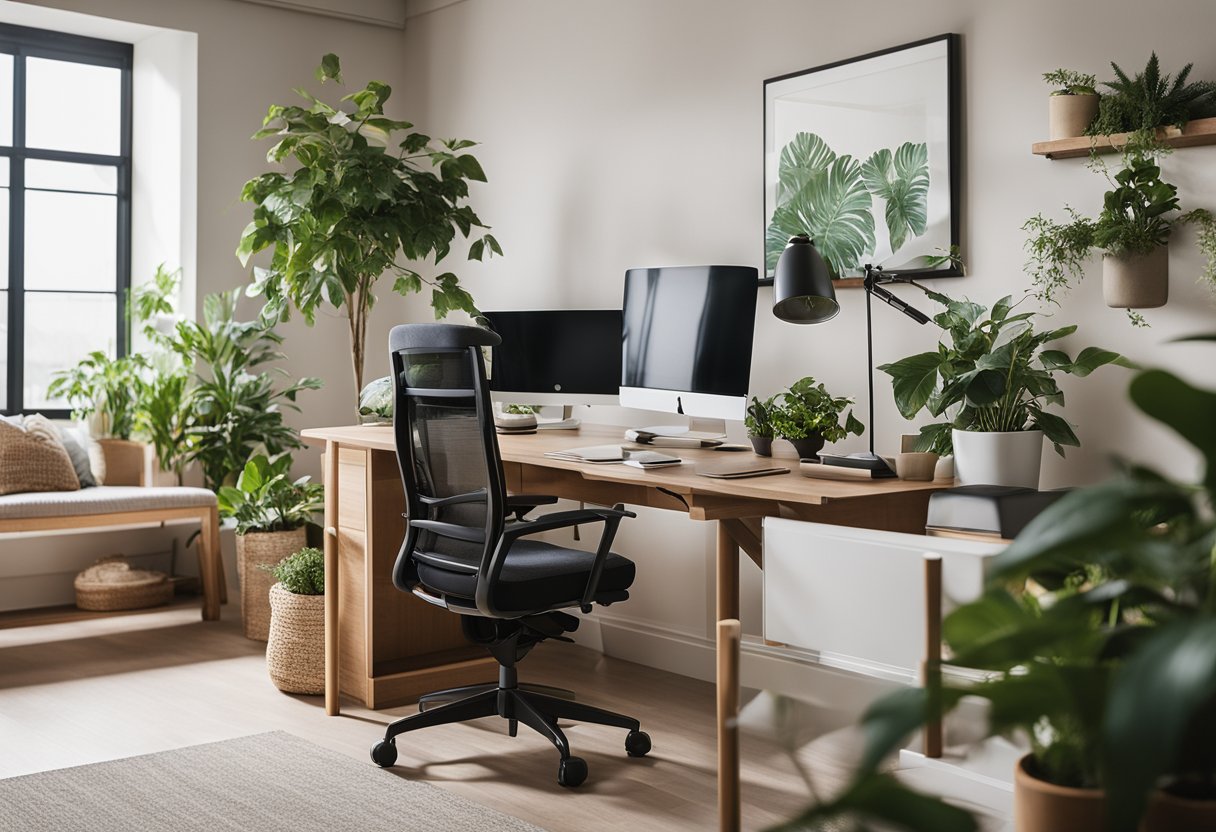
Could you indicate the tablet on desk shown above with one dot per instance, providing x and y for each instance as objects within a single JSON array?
[{"x": 737, "y": 470}]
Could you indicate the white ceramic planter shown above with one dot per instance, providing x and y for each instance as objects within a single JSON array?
[{"x": 1011, "y": 458}]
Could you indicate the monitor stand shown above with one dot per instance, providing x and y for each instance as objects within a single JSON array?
[
  {"x": 567, "y": 422},
  {"x": 697, "y": 428}
]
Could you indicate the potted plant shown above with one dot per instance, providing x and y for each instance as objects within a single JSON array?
[
  {"x": 1073, "y": 103},
  {"x": 271, "y": 514},
  {"x": 295, "y": 651},
  {"x": 758, "y": 420},
  {"x": 808, "y": 416},
  {"x": 1143, "y": 104},
  {"x": 1096, "y": 632},
  {"x": 1139, "y": 214},
  {"x": 359, "y": 195},
  {"x": 992, "y": 382}
]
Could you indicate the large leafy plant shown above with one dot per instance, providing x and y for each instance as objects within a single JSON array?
[
  {"x": 235, "y": 402},
  {"x": 361, "y": 199},
  {"x": 830, "y": 198},
  {"x": 105, "y": 386},
  {"x": 992, "y": 372},
  {"x": 1098, "y": 632},
  {"x": 807, "y": 409},
  {"x": 265, "y": 500}
]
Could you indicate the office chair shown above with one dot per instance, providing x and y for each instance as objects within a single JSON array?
[{"x": 462, "y": 551}]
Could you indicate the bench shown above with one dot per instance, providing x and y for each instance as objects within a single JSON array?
[{"x": 121, "y": 505}]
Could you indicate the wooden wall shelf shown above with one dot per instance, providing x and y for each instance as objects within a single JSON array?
[{"x": 1198, "y": 132}]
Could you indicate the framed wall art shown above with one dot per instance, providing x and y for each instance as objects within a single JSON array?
[{"x": 863, "y": 156}]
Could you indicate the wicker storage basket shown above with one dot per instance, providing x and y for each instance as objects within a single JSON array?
[
  {"x": 295, "y": 654},
  {"x": 111, "y": 584},
  {"x": 255, "y": 550}
]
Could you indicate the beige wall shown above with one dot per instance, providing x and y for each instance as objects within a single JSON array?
[{"x": 629, "y": 133}]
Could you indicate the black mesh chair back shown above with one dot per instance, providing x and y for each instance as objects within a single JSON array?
[{"x": 446, "y": 446}]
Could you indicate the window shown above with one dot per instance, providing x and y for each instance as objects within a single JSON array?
[{"x": 65, "y": 207}]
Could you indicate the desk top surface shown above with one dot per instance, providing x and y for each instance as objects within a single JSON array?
[{"x": 530, "y": 449}]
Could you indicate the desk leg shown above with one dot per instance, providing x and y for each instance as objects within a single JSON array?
[
  {"x": 729, "y": 809},
  {"x": 331, "y": 579}
]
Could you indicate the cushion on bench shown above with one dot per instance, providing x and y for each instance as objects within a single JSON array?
[{"x": 104, "y": 499}]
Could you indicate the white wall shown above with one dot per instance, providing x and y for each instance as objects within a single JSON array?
[{"x": 629, "y": 133}]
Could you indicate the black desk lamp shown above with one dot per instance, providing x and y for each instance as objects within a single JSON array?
[{"x": 803, "y": 294}]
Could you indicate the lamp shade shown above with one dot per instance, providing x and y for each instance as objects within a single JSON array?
[{"x": 802, "y": 285}]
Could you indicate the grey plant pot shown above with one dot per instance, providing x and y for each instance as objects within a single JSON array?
[
  {"x": 808, "y": 448},
  {"x": 1138, "y": 281},
  {"x": 762, "y": 445}
]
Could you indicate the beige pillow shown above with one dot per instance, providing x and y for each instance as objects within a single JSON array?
[{"x": 32, "y": 458}]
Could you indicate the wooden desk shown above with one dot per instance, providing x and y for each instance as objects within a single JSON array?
[{"x": 738, "y": 506}]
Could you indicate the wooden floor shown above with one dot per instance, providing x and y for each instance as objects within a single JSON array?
[{"x": 87, "y": 691}]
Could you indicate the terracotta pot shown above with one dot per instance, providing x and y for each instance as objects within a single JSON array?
[
  {"x": 1138, "y": 281},
  {"x": 762, "y": 445},
  {"x": 255, "y": 550},
  {"x": 1068, "y": 116},
  {"x": 1170, "y": 813},
  {"x": 808, "y": 448},
  {"x": 1039, "y": 806},
  {"x": 295, "y": 653}
]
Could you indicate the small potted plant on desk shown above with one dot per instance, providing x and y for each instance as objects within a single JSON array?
[
  {"x": 759, "y": 424},
  {"x": 808, "y": 416},
  {"x": 295, "y": 653},
  {"x": 1073, "y": 103},
  {"x": 271, "y": 514},
  {"x": 1097, "y": 635},
  {"x": 992, "y": 382}
]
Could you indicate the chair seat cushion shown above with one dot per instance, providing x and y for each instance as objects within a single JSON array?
[{"x": 535, "y": 576}]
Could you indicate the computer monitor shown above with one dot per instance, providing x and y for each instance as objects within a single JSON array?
[
  {"x": 688, "y": 342},
  {"x": 558, "y": 357}
]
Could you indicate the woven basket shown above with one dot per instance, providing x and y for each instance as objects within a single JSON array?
[
  {"x": 111, "y": 584},
  {"x": 255, "y": 550},
  {"x": 295, "y": 654}
]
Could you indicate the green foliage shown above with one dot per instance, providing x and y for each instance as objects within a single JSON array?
[
  {"x": 830, "y": 199},
  {"x": 152, "y": 299},
  {"x": 1149, "y": 100},
  {"x": 993, "y": 375},
  {"x": 807, "y": 409},
  {"x": 103, "y": 385},
  {"x": 265, "y": 500},
  {"x": 758, "y": 420},
  {"x": 235, "y": 405},
  {"x": 164, "y": 417},
  {"x": 302, "y": 573},
  {"x": 1109, "y": 665},
  {"x": 1139, "y": 213},
  {"x": 1071, "y": 82},
  {"x": 362, "y": 191}
]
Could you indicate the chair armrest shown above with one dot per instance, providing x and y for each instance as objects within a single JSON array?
[
  {"x": 564, "y": 520},
  {"x": 478, "y": 496},
  {"x": 450, "y": 530},
  {"x": 521, "y": 504}
]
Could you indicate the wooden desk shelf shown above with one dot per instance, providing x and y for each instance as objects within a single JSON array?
[{"x": 1200, "y": 131}]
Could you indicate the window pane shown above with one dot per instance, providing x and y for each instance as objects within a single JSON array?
[
  {"x": 70, "y": 106},
  {"x": 4, "y": 171},
  {"x": 3, "y": 238},
  {"x": 61, "y": 329},
  {"x": 6, "y": 99},
  {"x": 67, "y": 176},
  {"x": 70, "y": 241},
  {"x": 3, "y": 350}
]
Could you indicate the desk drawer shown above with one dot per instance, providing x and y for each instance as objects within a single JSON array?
[{"x": 859, "y": 593}]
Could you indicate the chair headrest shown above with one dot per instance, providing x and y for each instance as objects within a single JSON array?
[{"x": 440, "y": 336}]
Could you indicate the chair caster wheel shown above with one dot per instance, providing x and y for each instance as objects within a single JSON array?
[
  {"x": 571, "y": 771},
  {"x": 384, "y": 753},
  {"x": 637, "y": 743}
]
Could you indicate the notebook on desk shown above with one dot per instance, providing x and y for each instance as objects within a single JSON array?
[
  {"x": 595, "y": 454},
  {"x": 740, "y": 469}
]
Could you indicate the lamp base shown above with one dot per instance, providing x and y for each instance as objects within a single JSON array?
[{"x": 864, "y": 461}]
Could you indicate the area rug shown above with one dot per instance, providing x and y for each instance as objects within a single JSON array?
[{"x": 263, "y": 783}]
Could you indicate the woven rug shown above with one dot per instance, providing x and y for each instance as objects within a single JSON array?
[{"x": 263, "y": 783}]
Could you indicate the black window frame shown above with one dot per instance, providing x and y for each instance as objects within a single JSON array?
[{"x": 24, "y": 42}]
